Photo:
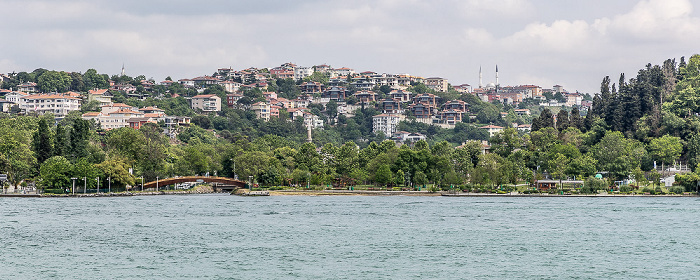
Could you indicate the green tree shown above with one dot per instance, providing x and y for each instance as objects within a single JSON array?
[
  {"x": 53, "y": 81},
  {"x": 666, "y": 149},
  {"x": 42, "y": 144},
  {"x": 55, "y": 173},
  {"x": 383, "y": 175}
]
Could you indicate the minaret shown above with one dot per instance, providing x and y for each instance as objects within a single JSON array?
[
  {"x": 308, "y": 134},
  {"x": 497, "y": 76},
  {"x": 481, "y": 84},
  {"x": 123, "y": 70}
]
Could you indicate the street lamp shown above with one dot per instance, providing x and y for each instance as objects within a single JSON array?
[
  {"x": 85, "y": 187},
  {"x": 73, "y": 190},
  {"x": 109, "y": 184},
  {"x": 141, "y": 183},
  {"x": 98, "y": 184},
  {"x": 157, "y": 182}
]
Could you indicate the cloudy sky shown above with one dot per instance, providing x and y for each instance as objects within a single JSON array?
[{"x": 569, "y": 42}]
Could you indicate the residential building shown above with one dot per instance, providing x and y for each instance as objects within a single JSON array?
[
  {"x": 437, "y": 84},
  {"x": 492, "y": 129},
  {"x": 463, "y": 88},
  {"x": 365, "y": 96},
  {"x": 426, "y": 98},
  {"x": 232, "y": 99},
  {"x": 457, "y": 105},
  {"x": 231, "y": 86},
  {"x": 5, "y": 105},
  {"x": 28, "y": 87},
  {"x": 524, "y": 128},
  {"x": 345, "y": 71},
  {"x": 409, "y": 138},
  {"x": 402, "y": 96},
  {"x": 450, "y": 116},
  {"x": 107, "y": 109},
  {"x": 100, "y": 95},
  {"x": 334, "y": 93},
  {"x": 56, "y": 103},
  {"x": 522, "y": 112},
  {"x": 302, "y": 72},
  {"x": 206, "y": 103},
  {"x": 311, "y": 87},
  {"x": 390, "y": 106},
  {"x": 386, "y": 123},
  {"x": 262, "y": 110},
  {"x": 422, "y": 111},
  {"x": 313, "y": 121}
]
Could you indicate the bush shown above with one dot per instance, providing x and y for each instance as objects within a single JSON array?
[
  {"x": 648, "y": 190},
  {"x": 433, "y": 189},
  {"x": 658, "y": 190},
  {"x": 676, "y": 189}
]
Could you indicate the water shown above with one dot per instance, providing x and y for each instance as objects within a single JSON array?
[{"x": 350, "y": 237}]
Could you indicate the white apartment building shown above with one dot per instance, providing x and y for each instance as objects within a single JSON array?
[
  {"x": 302, "y": 72},
  {"x": 386, "y": 123},
  {"x": 56, "y": 103}
]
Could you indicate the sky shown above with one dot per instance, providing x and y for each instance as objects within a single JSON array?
[{"x": 572, "y": 43}]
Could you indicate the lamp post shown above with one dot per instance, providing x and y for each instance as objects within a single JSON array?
[
  {"x": 85, "y": 187},
  {"x": 157, "y": 182},
  {"x": 98, "y": 184},
  {"x": 141, "y": 183},
  {"x": 109, "y": 184},
  {"x": 73, "y": 190}
]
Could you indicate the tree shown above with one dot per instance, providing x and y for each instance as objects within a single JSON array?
[
  {"x": 383, "y": 175},
  {"x": 562, "y": 120},
  {"x": 55, "y": 173},
  {"x": 42, "y": 144},
  {"x": 117, "y": 170},
  {"x": 53, "y": 81},
  {"x": 666, "y": 149},
  {"x": 79, "y": 139},
  {"x": 60, "y": 143}
]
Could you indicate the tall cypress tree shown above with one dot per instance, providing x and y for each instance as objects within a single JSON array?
[
  {"x": 41, "y": 142},
  {"x": 562, "y": 120},
  {"x": 575, "y": 119},
  {"x": 60, "y": 143},
  {"x": 79, "y": 139}
]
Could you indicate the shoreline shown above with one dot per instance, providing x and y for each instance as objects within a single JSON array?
[{"x": 334, "y": 193}]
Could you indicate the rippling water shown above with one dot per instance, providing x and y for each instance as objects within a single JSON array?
[{"x": 349, "y": 237}]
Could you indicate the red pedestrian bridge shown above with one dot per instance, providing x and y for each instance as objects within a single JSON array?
[{"x": 222, "y": 183}]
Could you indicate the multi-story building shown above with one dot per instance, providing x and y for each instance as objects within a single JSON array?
[
  {"x": 365, "y": 96},
  {"x": 386, "y": 123},
  {"x": 28, "y": 87},
  {"x": 262, "y": 110},
  {"x": 426, "y": 98},
  {"x": 334, "y": 93},
  {"x": 492, "y": 129},
  {"x": 313, "y": 121},
  {"x": 423, "y": 111},
  {"x": 100, "y": 95},
  {"x": 457, "y": 105},
  {"x": 56, "y": 103},
  {"x": 402, "y": 96},
  {"x": 302, "y": 72},
  {"x": 450, "y": 116},
  {"x": 232, "y": 99},
  {"x": 207, "y": 103},
  {"x": 436, "y": 83},
  {"x": 390, "y": 106},
  {"x": 345, "y": 71},
  {"x": 311, "y": 87}
]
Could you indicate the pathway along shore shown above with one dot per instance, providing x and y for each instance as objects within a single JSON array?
[{"x": 209, "y": 190}]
